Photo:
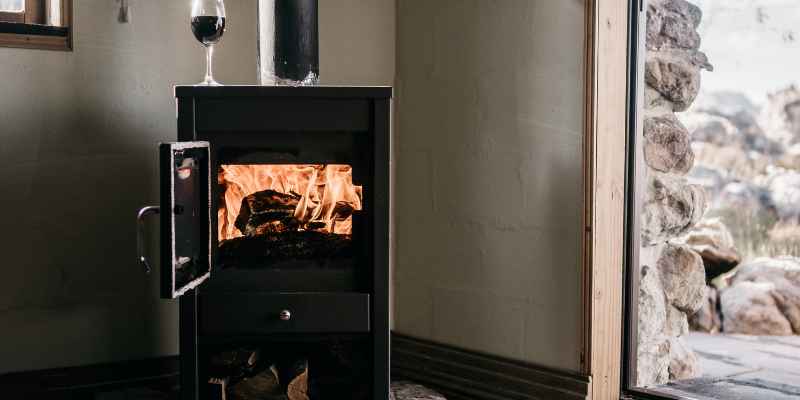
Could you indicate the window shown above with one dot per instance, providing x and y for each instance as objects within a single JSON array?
[
  {"x": 38, "y": 24},
  {"x": 12, "y": 6}
]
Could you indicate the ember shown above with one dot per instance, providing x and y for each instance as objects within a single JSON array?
[{"x": 267, "y": 199}]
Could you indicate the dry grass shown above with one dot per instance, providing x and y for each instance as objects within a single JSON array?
[{"x": 757, "y": 233}]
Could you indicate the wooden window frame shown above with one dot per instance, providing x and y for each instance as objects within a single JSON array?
[
  {"x": 26, "y": 29},
  {"x": 613, "y": 171},
  {"x": 609, "y": 165}
]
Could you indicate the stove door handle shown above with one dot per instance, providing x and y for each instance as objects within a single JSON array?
[{"x": 140, "y": 235}]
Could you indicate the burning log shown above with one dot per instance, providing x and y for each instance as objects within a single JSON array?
[
  {"x": 297, "y": 375},
  {"x": 267, "y": 211},
  {"x": 253, "y": 252}
]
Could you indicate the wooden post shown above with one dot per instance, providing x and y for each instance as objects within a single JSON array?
[{"x": 604, "y": 203}]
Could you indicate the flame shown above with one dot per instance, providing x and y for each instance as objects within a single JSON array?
[{"x": 321, "y": 189}]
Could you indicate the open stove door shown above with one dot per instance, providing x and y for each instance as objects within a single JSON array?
[{"x": 185, "y": 216}]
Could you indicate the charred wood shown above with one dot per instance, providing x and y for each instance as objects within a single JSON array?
[
  {"x": 264, "y": 251},
  {"x": 267, "y": 211}
]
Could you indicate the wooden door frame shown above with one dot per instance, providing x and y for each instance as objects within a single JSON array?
[{"x": 609, "y": 155}]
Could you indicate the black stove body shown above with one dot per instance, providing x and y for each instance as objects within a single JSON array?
[{"x": 275, "y": 236}]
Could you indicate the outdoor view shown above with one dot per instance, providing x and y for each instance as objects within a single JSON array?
[
  {"x": 12, "y": 5},
  {"x": 719, "y": 306}
]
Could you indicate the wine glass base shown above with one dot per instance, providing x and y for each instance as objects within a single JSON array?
[{"x": 209, "y": 83}]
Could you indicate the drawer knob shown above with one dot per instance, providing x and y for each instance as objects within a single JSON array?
[{"x": 285, "y": 315}]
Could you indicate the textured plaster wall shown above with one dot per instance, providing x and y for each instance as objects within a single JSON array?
[
  {"x": 78, "y": 134},
  {"x": 489, "y": 115}
]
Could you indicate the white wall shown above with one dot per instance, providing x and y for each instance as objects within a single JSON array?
[
  {"x": 78, "y": 134},
  {"x": 489, "y": 107}
]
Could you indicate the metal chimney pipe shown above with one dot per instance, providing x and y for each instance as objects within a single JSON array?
[{"x": 288, "y": 42}]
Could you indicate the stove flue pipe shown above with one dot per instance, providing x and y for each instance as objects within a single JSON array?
[{"x": 288, "y": 42}]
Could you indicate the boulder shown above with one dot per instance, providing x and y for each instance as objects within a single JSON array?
[
  {"x": 707, "y": 318},
  {"x": 683, "y": 363},
  {"x": 677, "y": 323},
  {"x": 652, "y": 305},
  {"x": 672, "y": 24},
  {"x": 653, "y": 361},
  {"x": 711, "y": 179},
  {"x": 667, "y": 147},
  {"x": 745, "y": 197},
  {"x": 750, "y": 308},
  {"x": 712, "y": 240},
  {"x": 653, "y": 344},
  {"x": 779, "y": 278},
  {"x": 790, "y": 159},
  {"x": 675, "y": 74},
  {"x": 709, "y": 128},
  {"x": 784, "y": 190},
  {"x": 780, "y": 116},
  {"x": 404, "y": 390},
  {"x": 672, "y": 206},
  {"x": 682, "y": 277}
]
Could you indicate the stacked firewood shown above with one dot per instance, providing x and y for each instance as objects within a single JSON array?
[
  {"x": 244, "y": 374},
  {"x": 296, "y": 371}
]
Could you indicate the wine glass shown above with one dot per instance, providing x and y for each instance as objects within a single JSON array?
[{"x": 208, "y": 25}]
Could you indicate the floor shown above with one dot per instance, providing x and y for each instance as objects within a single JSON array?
[{"x": 740, "y": 367}]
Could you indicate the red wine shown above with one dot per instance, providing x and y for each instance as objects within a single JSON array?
[{"x": 208, "y": 30}]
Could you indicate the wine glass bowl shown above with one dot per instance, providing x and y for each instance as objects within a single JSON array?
[{"x": 208, "y": 25}]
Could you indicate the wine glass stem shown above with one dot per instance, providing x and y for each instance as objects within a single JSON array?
[{"x": 209, "y": 56}]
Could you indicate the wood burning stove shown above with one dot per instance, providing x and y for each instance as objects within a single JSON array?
[{"x": 274, "y": 237}]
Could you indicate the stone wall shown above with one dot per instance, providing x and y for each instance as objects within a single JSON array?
[{"x": 672, "y": 274}]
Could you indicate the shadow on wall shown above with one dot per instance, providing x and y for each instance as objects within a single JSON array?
[
  {"x": 489, "y": 156},
  {"x": 78, "y": 159}
]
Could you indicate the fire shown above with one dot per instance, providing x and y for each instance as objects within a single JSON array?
[{"x": 324, "y": 195}]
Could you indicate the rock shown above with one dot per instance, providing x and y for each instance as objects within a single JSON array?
[
  {"x": 780, "y": 116},
  {"x": 749, "y": 308},
  {"x": 671, "y": 208},
  {"x": 652, "y": 305},
  {"x": 778, "y": 278},
  {"x": 677, "y": 323},
  {"x": 666, "y": 144},
  {"x": 683, "y": 363},
  {"x": 672, "y": 24},
  {"x": 403, "y": 390},
  {"x": 711, "y": 179},
  {"x": 707, "y": 318},
  {"x": 675, "y": 75},
  {"x": 709, "y": 128},
  {"x": 784, "y": 190},
  {"x": 682, "y": 277},
  {"x": 732, "y": 105},
  {"x": 790, "y": 159},
  {"x": 712, "y": 240},
  {"x": 685, "y": 9},
  {"x": 652, "y": 362}
]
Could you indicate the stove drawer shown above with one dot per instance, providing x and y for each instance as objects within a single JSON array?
[{"x": 265, "y": 313}]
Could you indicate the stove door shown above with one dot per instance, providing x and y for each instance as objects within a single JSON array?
[{"x": 185, "y": 217}]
